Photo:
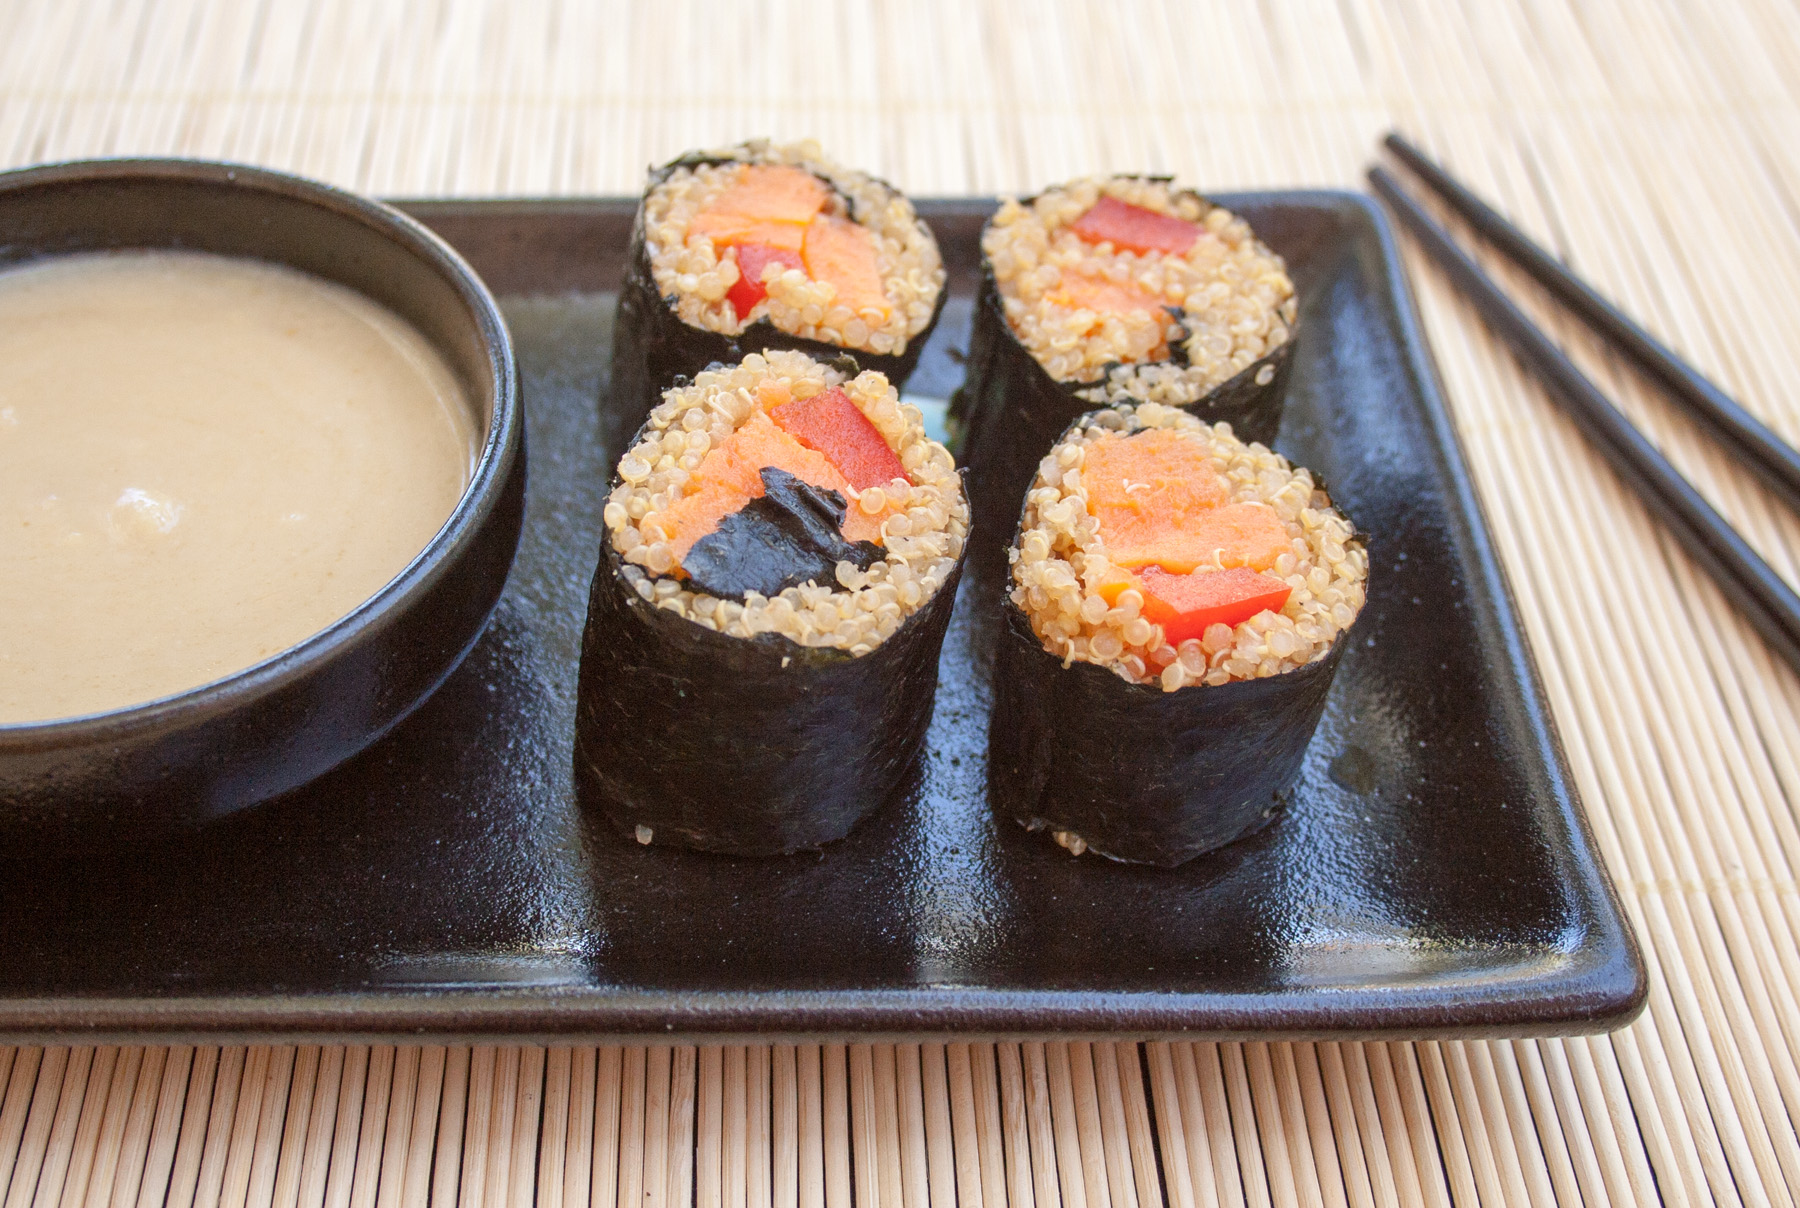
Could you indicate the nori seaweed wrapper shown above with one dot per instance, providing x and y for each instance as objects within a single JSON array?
[
  {"x": 753, "y": 746},
  {"x": 1144, "y": 775},
  {"x": 652, "y": 346},
  {"x": 1012, "y": 411}
]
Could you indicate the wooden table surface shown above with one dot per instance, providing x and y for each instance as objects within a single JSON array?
[{"x": 1655, "y": 145}]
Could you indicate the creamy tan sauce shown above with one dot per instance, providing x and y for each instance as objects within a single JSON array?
[{"x": 203, "y": 461}]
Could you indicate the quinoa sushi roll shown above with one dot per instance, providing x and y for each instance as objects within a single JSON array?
[
  {"x": 1114, "y": 289},
  {"x": 764, "y": 246},
  {"x": 1178, "y": 606},
  {"x": 778, "y": 566}
]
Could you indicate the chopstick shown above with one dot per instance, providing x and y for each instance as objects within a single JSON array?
[
  {"x": 1774, "y": 459},
  {"x": 1761, "y": 595}
]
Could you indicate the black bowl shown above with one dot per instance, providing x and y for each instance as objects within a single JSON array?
[{"x": 264, "y": 730}]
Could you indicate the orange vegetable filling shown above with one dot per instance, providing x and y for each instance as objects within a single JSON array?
[
  {"x": 1169, "y": 533},
  {"x": 1132, "y": 228},
  {"x": 769, "y": 204},
  {"x": 1145, "y": 489},
  {"x": 730, "y": 475},
  {"x": 1078, "y": 291},
  {"x": 1160, "y": 503},
  {"x": 771, "y": 213},
  {"x": 843, "y": 253}
]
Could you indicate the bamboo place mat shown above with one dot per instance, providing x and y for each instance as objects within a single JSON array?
[{"x": 1655, "y": 145}]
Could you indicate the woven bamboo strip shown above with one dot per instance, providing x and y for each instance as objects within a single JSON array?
[
  {"x": 709, "y": 1160},
  {"x": 984, "y": 1075},
  {"x": 914, "y": 1150},
  {"x": 631, "y": 1127},
  {"x": 658, "y": 1063},
  {"x": 415, "y": 1188},
  {"x": 1609, "y": 129},
  {"x": 213, "y": 1147},
  {"x": 865, "y": 1143},
  {"x": 133, "y": 1145},
  {"x": 446, "y": 1175},
  {"x": 784, "y": 1128},
  {"x": 885, "y": 1093},
  {"x": 606, "y": 1136},
  {"x": 834, "y": 1125},
  {"x": 259, "y": 1178},
  {"x": 554, "y": 1140},
  {"x": 1247, "y": 1162},
  {"x": 373, "y": 1120},
  {"x": 285, "y": 1193},
  {"x": 110, "y": 1135},
  {"x": 1012, "y": 1115},
  {"x": 1044, "y": 1190},
  {"x": 939, "y": 1146},
  {"x": 85, "y": 1142},
  {"x": 681, "y": 1127},
  {"x": 809, "y": 1117}
]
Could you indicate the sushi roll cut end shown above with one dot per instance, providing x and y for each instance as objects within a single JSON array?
[
  {"x": 780, "y": 556},
  {"x": 1116, "y": 290},
  {"x": 783, "y": 496},
  {"x": 1169, "y": 551},
  {"x": 777, "y": 232},
  {"x": 1137, "y": 290},
  {"x": 1177, "y": 606}
]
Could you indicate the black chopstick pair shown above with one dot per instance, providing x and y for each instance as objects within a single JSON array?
[{"x": 1764, "y": 598}]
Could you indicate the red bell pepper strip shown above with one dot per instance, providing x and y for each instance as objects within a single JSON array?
[
  {"x": 831, "y": 424},
  {"x": 751, "y": 260},
  {"x": 1132, "y": 228},
  {"x": 1186, "y": 605}
]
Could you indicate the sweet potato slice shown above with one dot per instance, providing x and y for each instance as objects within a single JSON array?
[
  {"x": 731, "y": 475},
  {"x": 1147, "y": 488},
  {"x": 770, "y": 204},
  {"x": 1237, "y": 534},
  {"x": 843, "y": 253},
  {"x": 1160, "y": 503},
  {"x": 1078, "y": 291}
]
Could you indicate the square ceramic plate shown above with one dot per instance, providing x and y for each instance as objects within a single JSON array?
[{"x": 1433, "y": 875}]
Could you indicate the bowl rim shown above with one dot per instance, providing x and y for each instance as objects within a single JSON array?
[{"x": 425, "y": 570}]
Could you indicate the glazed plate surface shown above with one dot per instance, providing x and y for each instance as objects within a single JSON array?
[{"x": 1432, "y": 876}]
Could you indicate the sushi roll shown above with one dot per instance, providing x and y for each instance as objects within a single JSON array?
[
  {"x": 1177, "y": 608},
  {"x": 779, "y": 561},
  {"x": 1114, "y": 289},
  {"x": 765, "y": 246}
]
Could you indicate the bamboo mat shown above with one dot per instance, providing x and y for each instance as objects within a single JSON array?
[{"x": 1655, "y": 145}]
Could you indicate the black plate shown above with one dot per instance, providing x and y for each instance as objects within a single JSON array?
[{"x": 1433, "y": 876}]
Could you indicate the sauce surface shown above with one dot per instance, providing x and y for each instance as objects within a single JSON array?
[{"x": 203, "y": 461}]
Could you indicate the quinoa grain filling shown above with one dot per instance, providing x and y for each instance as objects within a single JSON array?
[
  {"x": 667, "y": 484},
  {"x": 1193, "y": 300},
  {"x": 1082, "y": 587},
  {"x": 846, "y": 262}
]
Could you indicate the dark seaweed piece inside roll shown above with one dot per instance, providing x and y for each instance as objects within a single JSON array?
[
  {"x": 768, "y": 699},
  {"x": 734, "y": 252},
  {"x": 1178, "y": 604},
  {"x": 1105, "y": 291}
]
